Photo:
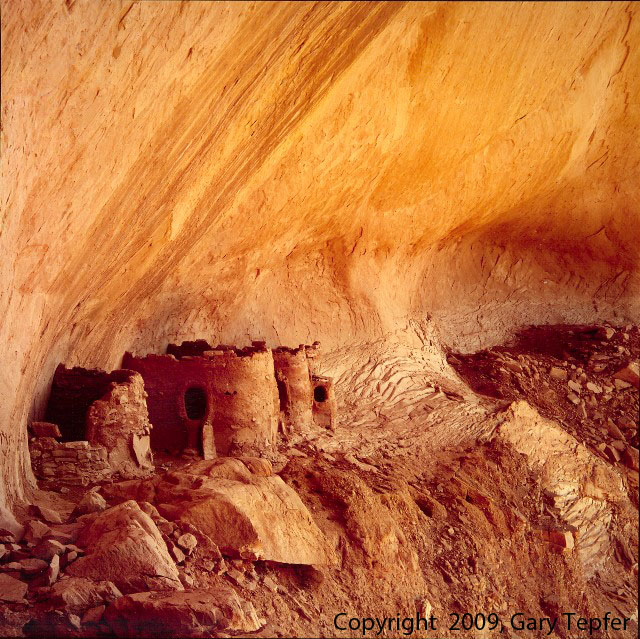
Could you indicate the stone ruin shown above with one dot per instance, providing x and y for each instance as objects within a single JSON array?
[
  {"x": 97, "y": 426},
  {"x": 195, "y": 400}
]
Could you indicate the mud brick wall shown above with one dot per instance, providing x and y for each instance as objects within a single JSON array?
[
  {"x": 245, "y": 401},
  {"x": 294, "y": 388},
  {"x": 324, "y": 401},
  {"x": 68, "y": 462},
  {"x": 166, "y": 380},
  {"x": 241, "y": 391}
]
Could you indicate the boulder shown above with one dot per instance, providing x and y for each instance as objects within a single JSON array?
[
  {"x": 573, "y": 398},
  {"x": 187, "y": 542},
  {"x": 65, "y": 533},
  {"x": 627, "y": 423},
  {"x": 35, "y": 530},
  {"x": 260, "y": 518},
  {"x": 92, "y": 502},
  {"x": 136, "y": 489},
  {"x": 613, "y": 455},
  {"x": 630, "y": 457},
  {"x": 558, "y": 373},
  {"x": 176, "y": 553},
  {"x": 11, "y": 589},
  {"x": 33, "y": 566},
  {"x": 613, "y": 430},
  {"x": 49, "y": 515},
  {"x": 76, "y": 594},
  {"x": 181, "y": 614},
  {"x": 125, "y": 546},
  {"x": 47, "y": 549},
  {"x": 53, "y": 571},
  {"x": 93, "y": 615}
]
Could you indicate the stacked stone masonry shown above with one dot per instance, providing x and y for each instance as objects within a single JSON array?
[
  {"x": 112, "y": 428},
  {"x": 69, "y": 462}
]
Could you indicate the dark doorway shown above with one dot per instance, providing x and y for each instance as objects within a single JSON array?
[
  {"x": 320, "y": 394},
  {"x": 282, "y": 393},
  {"x": 195, "y": 403}
]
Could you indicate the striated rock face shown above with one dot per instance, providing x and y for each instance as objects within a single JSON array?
[
  {"x": 283, "y": 170},
  {"x": 582, "y": 488}
]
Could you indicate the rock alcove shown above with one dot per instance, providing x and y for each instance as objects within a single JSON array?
[{"x": 444, "y": 195}]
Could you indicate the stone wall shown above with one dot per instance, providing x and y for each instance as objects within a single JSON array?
[
  {"x": 166, "y": 379},
  {"x": 246, "y": 404},
  {"x": 69, "y": 462},
  {"x": 119, "y": 421},
  {"x": 107, "y": 414},
  {"x": 242, "y": 402}
]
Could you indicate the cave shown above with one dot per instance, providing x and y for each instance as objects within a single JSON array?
[{"x": 422, "y": 220}]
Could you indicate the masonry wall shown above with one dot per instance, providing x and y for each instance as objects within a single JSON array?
[
  {"x": 77, "y": 463},
  {"x": 246, "y": 404},
  {"x": 119, "y": 422}
]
